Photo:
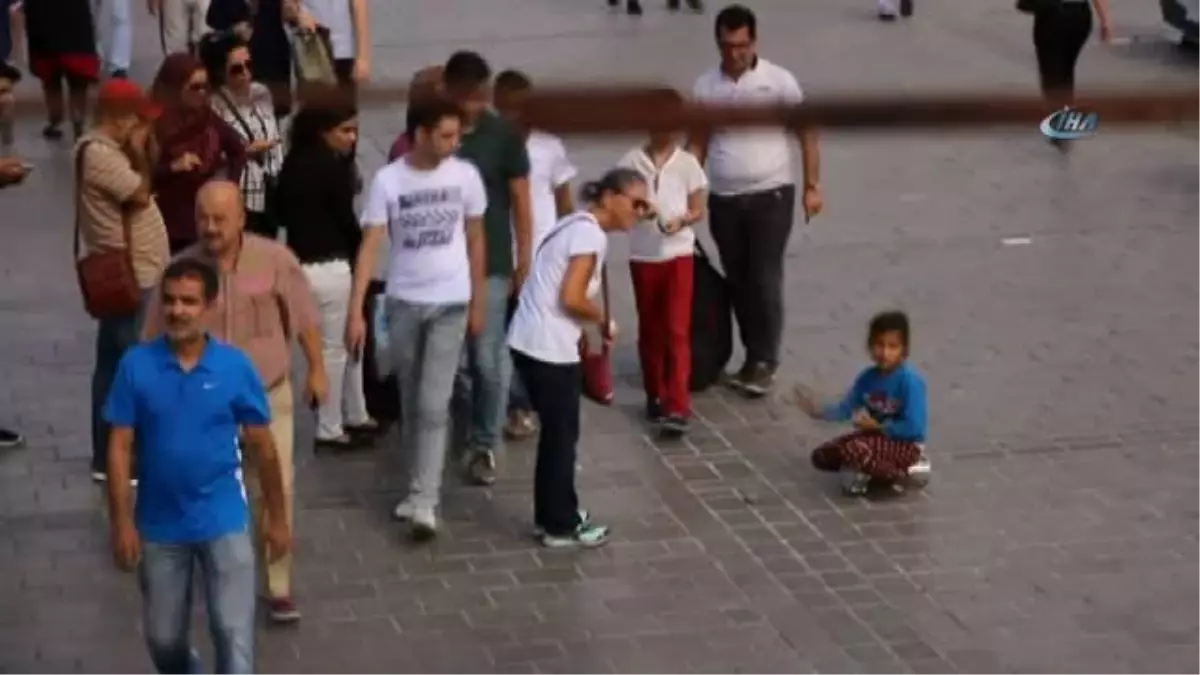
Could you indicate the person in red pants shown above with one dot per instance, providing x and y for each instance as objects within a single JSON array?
[{"x": 660, "y": 253}]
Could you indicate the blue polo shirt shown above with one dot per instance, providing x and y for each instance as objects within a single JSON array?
[{"x": 186, "y": 424}]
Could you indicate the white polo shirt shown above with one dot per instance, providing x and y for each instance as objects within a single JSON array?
[
  {"x": 669, "y": 187},
  {"x": 749, "y": 160}
]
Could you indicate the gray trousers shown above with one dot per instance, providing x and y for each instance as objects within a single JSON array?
[{"x": 426, "y": 342}]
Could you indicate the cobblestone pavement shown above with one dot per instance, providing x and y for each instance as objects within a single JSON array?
[{"x": 1059, "y": 533}]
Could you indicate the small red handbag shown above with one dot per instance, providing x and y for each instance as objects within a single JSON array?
[{"x": 597, "y": 366}]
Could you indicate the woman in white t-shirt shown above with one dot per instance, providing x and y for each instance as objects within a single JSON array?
[
  {"x": 660, "y": 262},
  {"x": 554, "y": 306}
]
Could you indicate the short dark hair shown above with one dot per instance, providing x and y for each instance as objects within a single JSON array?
[
  {"x": 427, "y": 113},
  {"x": 613, "y": 182},
  {"x": 888, "y": 322},
  {"x": 736, "y": 17},
  {"x": 512, "y": 81},
  {"x": 466, "y": 69},
  {"x": 191, "y": 268}
]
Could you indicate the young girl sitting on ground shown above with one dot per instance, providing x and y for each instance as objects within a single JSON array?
[{"x": 887, "y": 406}]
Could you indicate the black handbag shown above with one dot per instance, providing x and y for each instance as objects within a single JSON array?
[
  {"x": 712, "y": 322},
  {"x": 1037, "y": 6}
]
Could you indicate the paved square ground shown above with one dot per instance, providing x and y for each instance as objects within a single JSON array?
[{"x": 1059, "y": 533}]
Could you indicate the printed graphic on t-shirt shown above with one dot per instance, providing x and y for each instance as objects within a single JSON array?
[
  {"x": 882, "y": 406},
  {"x": 428, "y": 218}
]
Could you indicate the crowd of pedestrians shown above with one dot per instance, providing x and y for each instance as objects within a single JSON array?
[{"x": 494, "y": 265}]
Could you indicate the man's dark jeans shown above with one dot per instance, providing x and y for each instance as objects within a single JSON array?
[
  {"x": 113, "y": 338},
  {"x": 751, "y": 231},
  {"x": 555, "y": 390}
]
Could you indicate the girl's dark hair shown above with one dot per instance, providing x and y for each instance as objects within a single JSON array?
[
  {"x": 614, "y": 182},
  {"x": 888, "y": 322},
  {"x": 311, "y": 122}
]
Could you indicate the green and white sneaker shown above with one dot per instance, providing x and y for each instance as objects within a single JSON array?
[
  {"x": 587, "y": 535},
  {"x": 584, "y": 519}
]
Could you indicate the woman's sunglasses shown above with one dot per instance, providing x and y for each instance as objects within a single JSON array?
[
  {"x": 240, "y": 68},
  {"x": 197, "y": 87}
]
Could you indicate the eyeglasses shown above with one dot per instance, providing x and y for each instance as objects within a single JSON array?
[{"x": 240, "y": 68}]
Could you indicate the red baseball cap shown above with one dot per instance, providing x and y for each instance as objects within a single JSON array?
[{"x": 119, "y": 95}]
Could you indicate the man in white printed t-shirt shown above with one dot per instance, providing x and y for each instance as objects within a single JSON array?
[
  {"x": 430, "y": 204},
  {"x": 550, "y": 176},
  {"x": 753, "y": 192},
  {"x": 661, "y": 264}
]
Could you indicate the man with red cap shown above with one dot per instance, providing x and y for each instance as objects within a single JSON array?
[{"x": 117, "y": 211}]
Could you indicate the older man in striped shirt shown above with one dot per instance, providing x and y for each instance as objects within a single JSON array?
[{"x": 264, "y": 302}]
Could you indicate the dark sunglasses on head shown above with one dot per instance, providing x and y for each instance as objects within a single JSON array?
[{"x": 240, "y": 68}]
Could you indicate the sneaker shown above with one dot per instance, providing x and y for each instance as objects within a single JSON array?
[
  {"x": 887, "y": 18},
  {"x": 586, "y": 535},
  {"x": 673, "y": 5},
  {"x": 522, "y": 424},
  {"x": 633, "y": 8},
  {"x": 424, "y": 523},
  {"x": 404, "y": 511},
  {"x": 10, "y": 439},
  {"x": 344, "y": 443},
  {"x": 737, "y": 381},
  {"x": 613, "y": 3},
  {"x": 654, "y": 411},
  {"x": 120, "y": 74},
  {"x": 585, "y": 518},
  {"x": 673, "y": 426},
  {"x": 759, "y": 381},
  {"x": 52, "y": 132},
  {"x": 918, "y": 474},
  {"x": 282, "y": 610},
  {"x": 906, "y": 8},
  {"x": 695, "y": 5},
  {"x": 102, "y": 477},
  {"x": 854, "y": 482},
  {"x": 481, "y": 467}
]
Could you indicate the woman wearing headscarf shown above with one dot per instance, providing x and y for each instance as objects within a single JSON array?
[
  {"x": 62, "y": 49},
  {"x": 193, "y": 145},
  {"x": 246, "y": 106},
  {"x": 316, "y": 205}
]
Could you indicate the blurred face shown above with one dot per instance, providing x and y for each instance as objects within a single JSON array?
[
  {"x": 887, "y": 349},
  {"x": 508, "y": 103},
  {"x": 343, "y": 137},
  {"x": 473, "y": 100},
  {"x": 121, "y": 125},
  {"x": 660, "y": 139},
  {"x": 237, "y": 68},
  {"x": 737, "y": 49},
  {"x": 628, "y": 207},
  {"x": 220, "y": 217},
  {"x": 195, "y": 90},
  {"x": 184, "y": 309},
  {"x": 442, "y": 140}
]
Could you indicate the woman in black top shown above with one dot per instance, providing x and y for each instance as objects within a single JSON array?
[
  {"x": 1060, "y": 29},
  {"x": 316, "y": 207}
]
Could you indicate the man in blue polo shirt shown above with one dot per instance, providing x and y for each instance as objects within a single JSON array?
[{"x": 185, "y": 399}]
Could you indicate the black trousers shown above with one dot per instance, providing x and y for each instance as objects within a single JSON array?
[
  {"x": 1059, "y": 34},
  {"x": 752, "y": 231},
  {"x": 554, "y": 390}
]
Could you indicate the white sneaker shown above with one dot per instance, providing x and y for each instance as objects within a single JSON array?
[
  {"x": 424, "y": 523},
  {"x": 404, "y": 511},
  {"x": 918, "y": 474}
]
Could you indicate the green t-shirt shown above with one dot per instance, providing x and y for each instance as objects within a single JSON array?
[{"x": 498, "y": 151}]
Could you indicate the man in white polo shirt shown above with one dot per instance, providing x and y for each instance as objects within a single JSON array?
[{"x": 752, "y": 192}]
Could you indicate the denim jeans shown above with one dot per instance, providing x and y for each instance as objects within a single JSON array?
[
  {"x": 426, "y": 344},
  {"x": 485, "y": 371},
  {"x": 118, "y": 51},
  {"x": 113, "y": 338},
  {"x": 167, "y": 575}
]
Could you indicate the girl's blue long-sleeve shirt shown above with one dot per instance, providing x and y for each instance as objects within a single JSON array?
[{"x": 895, "y": 399}]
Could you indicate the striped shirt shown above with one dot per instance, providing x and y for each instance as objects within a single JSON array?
[
  {"x": 264, "y": 302},
  {"x": 254, "y": 120},
  {"x": 109, "y": 180}
]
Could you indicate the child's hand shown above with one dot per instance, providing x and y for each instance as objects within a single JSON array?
[
  {"x": 863, "y": 420},
  {"x": 806, "y": 401}
]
